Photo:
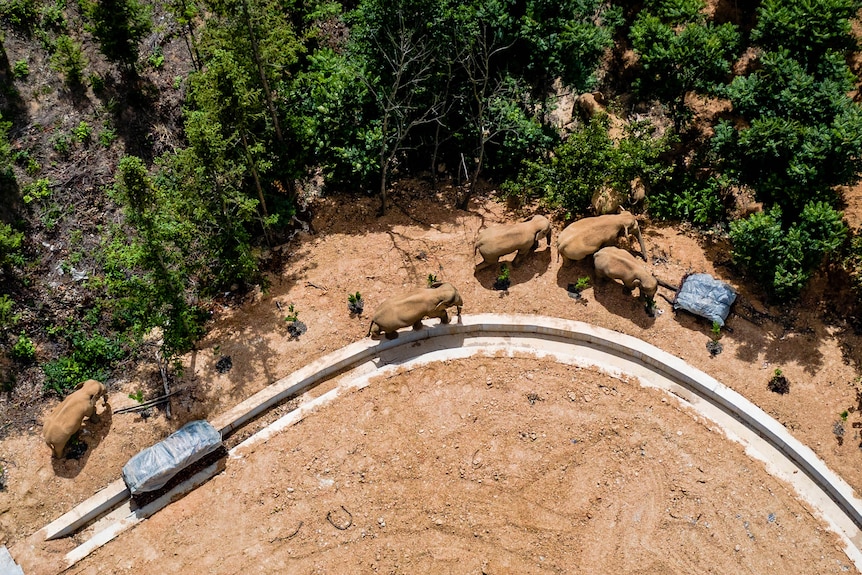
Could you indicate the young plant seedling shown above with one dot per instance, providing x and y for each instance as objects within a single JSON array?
[
  {"x": 779, "y": 383},
  {"x": 137, "y": 396},
  {"x": 502, "y": 282},
  {"x": 716, "y": 331},
  {"x": 294, "y": 327},
  {"x": 432, "y": 279},
  {"x": 355, "y": 303}
]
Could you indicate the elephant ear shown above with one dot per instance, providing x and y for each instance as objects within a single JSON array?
[
  {"x": 636, "y": 283},
  {"x": 440, "y": 305},
  {"x": 79, "y": 386}
]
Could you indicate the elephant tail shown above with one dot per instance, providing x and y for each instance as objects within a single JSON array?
[{"x": 370, "y": 325}]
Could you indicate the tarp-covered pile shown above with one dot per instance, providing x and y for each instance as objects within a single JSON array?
[
  {"x": 703, "y": 295},
  {"x": 153, "y": 467}
]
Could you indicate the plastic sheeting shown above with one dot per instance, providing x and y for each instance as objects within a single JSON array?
[
  {"x": 153, "y": 467},
  {"x": 703, "y": 295}
]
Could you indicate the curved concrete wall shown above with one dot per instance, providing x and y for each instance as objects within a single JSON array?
[{"x": 542, "y": 337}]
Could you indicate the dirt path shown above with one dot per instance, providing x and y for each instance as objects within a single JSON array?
[{"x": 612, "y": 472}]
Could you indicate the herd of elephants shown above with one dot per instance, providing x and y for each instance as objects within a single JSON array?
[{"x": 588, "y": 236}]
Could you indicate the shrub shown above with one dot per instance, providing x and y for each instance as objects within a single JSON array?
[
  {"x": 589, "y": 160},
  {"x": 90, "y": 358},
  {"x": 20, "y": 69},
  {"x": 6, "y": 317},
  {"x": 36, "y": 191},
  {"x": 69, "y": 60},
  {"x": 688, "y": 199},
  {"x": 10, "y": 245},
  {"x": 808, "y": 28},
  {"x": 782, "y": 260},
  {"x": 23, "y": 348},
  {"x": 82, "y": 132},
  {"x": 19, "y": 13}
]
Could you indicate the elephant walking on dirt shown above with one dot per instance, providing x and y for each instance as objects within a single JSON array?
[
  {"x": 409, "y": 309},
  {"x": 617, "y": 264},
  {"x": 497, "y": 241},
  {"x": 67, "y": 418},
  {"x": 588, "y": 235}
]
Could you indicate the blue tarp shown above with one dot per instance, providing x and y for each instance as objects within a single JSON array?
[
  {"x": 153, "y": 467},
  {"x": 703, "y": 295}
]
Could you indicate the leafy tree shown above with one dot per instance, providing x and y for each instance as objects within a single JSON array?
[
  {"x": 69, "y": 60},
  {"x": 808, "y": 29},
  {"x": 6, "y": 158},
  {"x": 782, "y": 258},
  {"x": 589, "y": 160},
  {"x": 118, "y": 25},
  {"x": 804, "y": 135},
  {"x": 564, "y": 40},
  {"x": 678, "y": 57},
  {"x": 687, "y": 198}
]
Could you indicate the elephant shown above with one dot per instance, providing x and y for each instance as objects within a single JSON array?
[
  {"x": 617, "y": 264},
  {"x": 498, "y": 241},
  {"x": 409, "y": 309},
  {"x": 607, "y": 200},
  {"x": 66, "y": 419},
  {"x": 588, "y": 235},
  {"x": 592, "y": 105}
]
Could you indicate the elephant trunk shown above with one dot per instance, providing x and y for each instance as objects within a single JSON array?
[{"x": 639, "y": 236}]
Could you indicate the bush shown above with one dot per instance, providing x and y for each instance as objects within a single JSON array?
[
  {"x": 678, "y": 56},
  {"x": 807, "y": 28},
  {"x": 10, "y": 245},
  {"x": 24, "y": 349},
  {"x": 20, "y": 69},
  {"x": 782, "y": 260},
  {"x": 587, "y": 161},
  {"x": 688, "y": 199},
  {"x": 90, "y": 358},
  {"x": 6, "y": 317},
  {"x": 20, "y": 13},
  {"x": 69, "y": 60}
]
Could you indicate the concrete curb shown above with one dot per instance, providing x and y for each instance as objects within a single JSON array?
[{"x": 563, "y": 340}]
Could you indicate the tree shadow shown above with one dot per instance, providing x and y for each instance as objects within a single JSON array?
[
  {"x": 81, "y": 445},
  {"x": 131, "y": 101}
]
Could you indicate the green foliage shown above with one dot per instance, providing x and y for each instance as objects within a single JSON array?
[
  {"x": 504, "y": 274},
  {"x": 7, "y": 318},
  {"x": 684, "y": 197},
  {"x": 157, "y": 58},
  {"x": 20, "y": 13},
  {"x": 807, "y": 28},
  {"x": 678, "y": 57},
  {"x": 137, "y": 396},
  {"x": 843, "y": 415},
  {"x": 292, "y": 314},
  {"x": 107, "y": 137},
  {"x": 53, "y": 16},
  {"x": 23, "y": 349},
  {"x": 20, "y": 69},
  {"x": 82, "y": 132},
  {"x": 90, "y": 357},
  {"x": 782, "y": 259},
  {"x": 6, "y": 156},
  {"x": 582, "y": 283},
  {"x": 355, "y": 303},
  {"x": 10, "y": 245},
  {"x": 69, "y": 60},
  {"x": 716, "y": 330},
  {"x": 589, "y": 160},
  {"x": 431, "y": 280},
  {"x": 36, "y": 191},
  {"x": 118, "y": 26}
]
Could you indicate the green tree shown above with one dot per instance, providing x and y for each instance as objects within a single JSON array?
[
  {"x": 804, "y": 134},
  {"x": 781, "y": 258},
  {"x": 682, "y": 56},
  {"x": 118, "y": 26},
  {"x": 69, "y": 60},
  {"x": 808, "y": 29}
]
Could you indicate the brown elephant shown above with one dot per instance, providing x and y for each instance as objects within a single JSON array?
[
  {"x": 617, "y": 264},
  {"x": 497, "y": 241},
  {"x": 409, "y": 309},
  {"x": 588, "y": 235},
  {"x": 66, "y": 419}
]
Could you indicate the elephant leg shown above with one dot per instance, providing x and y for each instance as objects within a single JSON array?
[
  {"x": 418, "y": 325},
  {"x": 391, "y": 334},
  {"x": 519, "y": 257},
  {"x": 485, "y": 264},
  {"x": 94, "y": 417},
  {"x": 444, "y": 317}
]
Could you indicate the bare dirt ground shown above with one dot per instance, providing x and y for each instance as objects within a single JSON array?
[{"x": 487, "y": 465}]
